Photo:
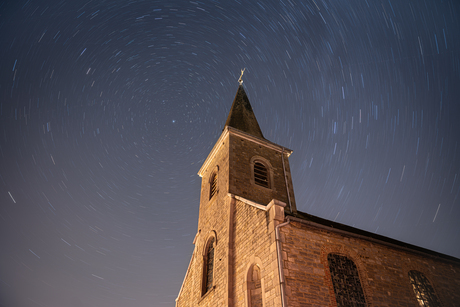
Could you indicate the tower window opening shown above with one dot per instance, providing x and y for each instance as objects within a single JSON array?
[
  {"x": 208, "y": 267},
  {"x": 423, "y": 290},
  {"x": 260, "y": 174},
  {"x": 213, "y": 185}
]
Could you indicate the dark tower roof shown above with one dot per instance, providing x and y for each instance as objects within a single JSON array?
[{"x": 241, "y": 115}]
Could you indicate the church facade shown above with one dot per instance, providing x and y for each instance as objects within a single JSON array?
[{"x": 254, "y": 249}]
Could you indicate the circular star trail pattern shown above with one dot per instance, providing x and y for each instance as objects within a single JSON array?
[{"x": 109, "y": 108}]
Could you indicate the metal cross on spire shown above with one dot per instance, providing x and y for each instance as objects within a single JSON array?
[{"x": 240, "y": 80}]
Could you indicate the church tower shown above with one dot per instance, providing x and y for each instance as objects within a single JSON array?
[
  {"x": 246, "y": 190},
  {"x": 252, "y": 167}
]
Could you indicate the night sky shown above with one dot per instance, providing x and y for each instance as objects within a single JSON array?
[{"x": 109, "y": 108}]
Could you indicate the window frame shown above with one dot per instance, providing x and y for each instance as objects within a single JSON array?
[
  {"x": 211, "y": 242},
  {"x": 416, "y": 287},
  {"x": 213, "y": 179},
  {"x": 213, "y": 185},
  {"x": 247, "y": 280},
  {"x": 265, "y": 163},
  {"x": 357, "y": 271},
  {"x": 251, "y": 283},
  {"x": 261, "y": 175}
]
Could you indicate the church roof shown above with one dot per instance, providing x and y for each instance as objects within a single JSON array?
[{"x": 241, "y": 115}]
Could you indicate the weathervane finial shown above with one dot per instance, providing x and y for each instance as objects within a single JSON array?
[{"x": 240, "y": 80}]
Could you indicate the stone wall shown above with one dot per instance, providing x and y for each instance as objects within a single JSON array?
[
  {"x": 213, "y": 221},
  {"x": 253, "y": 251},
  {"x": 383, "y": 270},
  {"x": 254, "y": 245},
  {"x": 241, "y": 182}
]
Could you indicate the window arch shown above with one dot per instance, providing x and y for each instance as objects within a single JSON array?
[
  {"x": 213, "y": 185},
  {"x": 208, "y": 266},
  {"x": 262, "y": 173},
  {"x": 254, "y": 285},
  {"x": 345, "y": 279},
  {"x": 424, "y": 292}
]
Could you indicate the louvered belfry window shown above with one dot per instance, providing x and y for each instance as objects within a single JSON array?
[
  {"x": 209, "y": 268},
  {"x": 345, "y": 279},
  {"x": 424, "y": 292},
  {"x": 213, "y": 186},
  {"x": 260, "y": 174}
]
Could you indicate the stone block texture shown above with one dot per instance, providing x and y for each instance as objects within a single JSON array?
[
  {"x": 253, "y": 239},
  {"x": 241, "y": 152},
  {"x": 383, "y": 269}
]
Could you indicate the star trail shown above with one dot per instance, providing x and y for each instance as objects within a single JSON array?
[{"x": 109, "y": 108}]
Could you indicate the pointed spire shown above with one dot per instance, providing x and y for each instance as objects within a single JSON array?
[{"x": 241, "y": 115}]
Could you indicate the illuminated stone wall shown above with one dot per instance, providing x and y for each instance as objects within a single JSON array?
[
  {"x": 213, "y": 221},
  {"x": 241, "y": 181},
  {"x": 383, "y": 270},
  {"x": 254, "y": 245}
]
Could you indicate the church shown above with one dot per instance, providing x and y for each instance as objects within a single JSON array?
[{"x": 253, "y": 248}]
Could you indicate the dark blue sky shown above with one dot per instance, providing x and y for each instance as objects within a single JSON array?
[{"x": 108, "y": 109}]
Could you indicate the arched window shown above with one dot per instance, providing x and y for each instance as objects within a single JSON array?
[
  {"x": 254, "y": 287},
  {"x": 345, "y": 278},
  {"x": 261, "y": 175},
  {"x": 208, "y": 266},
  {"x": 213, "y": 185},
  {"x": 424, "y": 292}
]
